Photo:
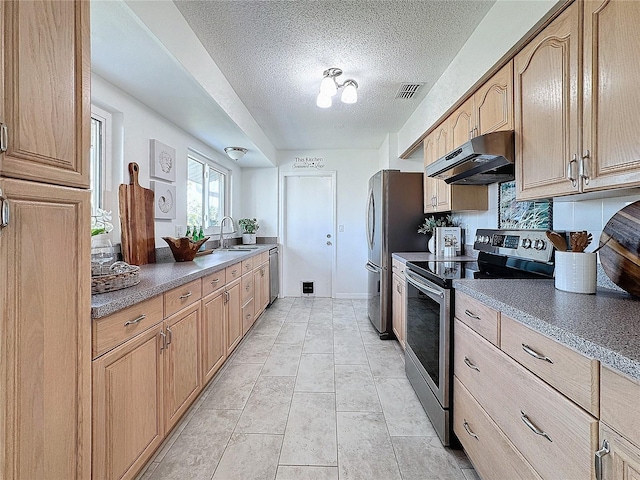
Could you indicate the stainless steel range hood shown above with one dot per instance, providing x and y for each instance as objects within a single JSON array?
[{"x": 482, "y": 160}]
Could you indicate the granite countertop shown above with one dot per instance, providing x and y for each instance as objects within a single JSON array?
[
  {"x": 157, "y": 278},
  {"x": 604, "y": 326},
  {"x": 430, "y": 257}
]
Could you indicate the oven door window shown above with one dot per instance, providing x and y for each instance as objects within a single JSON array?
[{"x": 423, "y": 331}]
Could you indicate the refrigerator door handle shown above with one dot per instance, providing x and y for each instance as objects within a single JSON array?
[
  {"x": 370, "y": 220},
  {"x": 373, "y": 268}
]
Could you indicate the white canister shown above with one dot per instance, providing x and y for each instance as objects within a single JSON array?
[{"x": 576, "y": 272}]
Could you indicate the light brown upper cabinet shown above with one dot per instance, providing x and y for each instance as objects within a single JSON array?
[
  {"x": 555, "y": 153},
  {"x": 44, "y": 97},
  {"x": 611, "y": 121},
  {"x": 546, "y": 107},
  {"x": 490, "y": 109}
]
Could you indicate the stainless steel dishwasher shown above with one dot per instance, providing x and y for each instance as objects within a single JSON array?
[{"x": 274, "y": 275}]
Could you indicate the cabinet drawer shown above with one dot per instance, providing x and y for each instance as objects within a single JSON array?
[
  {"x": 264, "y": 257},
  {"x": 619, "y": 403},
  {"x": 178, "y": 298},
  {"x": 491, "y": 452},
  {"x": 570, "y": 372},
  {"x": 213, "y": 282},
  {"x": 247, "y": 265},
  {"x": 397, "y": 267},
  {"x": 247, "y": 316},
  {"x": 519, "y": 403},
  {"x": 479, "y": 317},
  {"x": 247, "y": 288},
  {"x": 111, "y": 331},
  {"x": 233, "y": 272}
]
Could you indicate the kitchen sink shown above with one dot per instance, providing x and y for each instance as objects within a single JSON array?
[{"x": 243, "y": 248}]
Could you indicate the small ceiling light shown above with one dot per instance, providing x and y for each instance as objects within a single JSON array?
[
  {"x": 235, "y": 153},
  {"x": 329, "y": 87},
  {"x": 350, "y": 92}
]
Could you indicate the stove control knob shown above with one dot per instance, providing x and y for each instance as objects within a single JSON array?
[
  {"x": 539, "y": 244},
  {"x": 526, "y": 243}
]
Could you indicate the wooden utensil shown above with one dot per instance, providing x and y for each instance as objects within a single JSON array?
[
  {"x": 557, "y": 240},
  {"x": 137, "y": 221},
  {"x": 579, "y": 241},
  {"x": 620, "y": 248}
]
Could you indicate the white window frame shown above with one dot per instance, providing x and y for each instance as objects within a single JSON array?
[
  {"x": 106, "y": 160},
  {"x": 199, "y": 157}
]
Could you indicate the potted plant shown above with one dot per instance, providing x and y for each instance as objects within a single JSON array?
[
  {"x": 429, "y": 228},
  {"x": 249, "y": 228}
]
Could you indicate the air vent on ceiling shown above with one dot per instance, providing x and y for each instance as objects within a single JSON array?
[{"x": 408, "y": 90}]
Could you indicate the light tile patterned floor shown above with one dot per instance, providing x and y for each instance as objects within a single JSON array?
[{"x": 311, "y": 393}]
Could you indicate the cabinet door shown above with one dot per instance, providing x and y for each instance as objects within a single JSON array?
[
  {"x": 258, "y": 291},
  {"x": 127, "y": 406},
  {"x": 233, "y": 316},
  {"x": 546, "y": 107},
  {"x": 214, "y": 347},
  {"x": 442, "y": 146},
  {"x": 430, "y": 185},
  {"x": 494, "y": 102},
  {"x": 622, "y": 462},
  {"x": 462, "y": 123},
  {"x": 265, "y": 295},
  {"x": 46, "y": 91},
  {"x": 45, "y": 332},
  {"x": 397, "y": 309},
  {"x": 611, "y": 144},
  {"x": 182, "y": 369}
]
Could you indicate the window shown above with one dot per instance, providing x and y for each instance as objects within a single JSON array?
[
  {"x": 206, "y": 192},
  {"x": 99, "y": 158}
]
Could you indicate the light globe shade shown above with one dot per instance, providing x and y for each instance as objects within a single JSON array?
[
  {"x": 235, "y": 153},
  {"x": 328, "y": 87},
  {"x": 350, "y": 92},
  {"x": 323, "y": 101}
]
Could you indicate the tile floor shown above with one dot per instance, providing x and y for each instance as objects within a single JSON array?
[{"x": 311, "y": 393}]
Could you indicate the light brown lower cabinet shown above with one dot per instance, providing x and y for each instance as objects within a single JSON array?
[
  {"x": 128, "y": 419},
  {"x": 618, "y": 459},
  {"x": 492, "y": 454},
  {"x": 398, "y": 317},
  {"x": 214, "y": 347},
  {"x": 233, "y": 315},
  {"x": 181, "y": 362},
  {"x": 260, "y": 289}
]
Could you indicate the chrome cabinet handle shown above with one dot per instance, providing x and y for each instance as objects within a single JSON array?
[
  {"x": 470, "y": 134},
  {"x": 598, "y": 457},
  {"x": 163, "y": 341},
  {"x": 4, "y": 138},
  {"x": 234, "y": 272},
  {"x": 248, "y": 315},
  {"x": 262, "y": 272},
  {"x": 4, "y": 211},
  {"x": 135, "y": 320},
  {"x": 535, "y": 354},
  {"x": 470, "y": 365},
  {"x": 186, "y": 295},
  {"x": 398, "y": 288},
  {"x": 169, "y": 336},
  {"x": 472, "y": 315},
  {"x": 213, "y": 282},
  {"x": 248, "y": 287},
  {"x": 585, "y": 170},
  {"x": 226, "y": 297},
  {"x": 466, "y": 427},
  {"x": 570, "y": 175},
  {"x": 533, "y": 428}
]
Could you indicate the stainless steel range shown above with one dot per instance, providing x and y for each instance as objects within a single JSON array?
[{"x": 430, "y": 309}]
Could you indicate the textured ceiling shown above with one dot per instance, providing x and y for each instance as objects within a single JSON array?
[{"x": 273, "y": 53}]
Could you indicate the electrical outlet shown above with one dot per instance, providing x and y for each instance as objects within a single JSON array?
[
  {"x": 179, "y": 230},
  {"x": 341, "y": 228}
]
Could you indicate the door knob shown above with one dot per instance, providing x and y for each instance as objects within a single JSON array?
[
  {"x": 328, "y": 243},
  {"x": 328, "y": 235}
]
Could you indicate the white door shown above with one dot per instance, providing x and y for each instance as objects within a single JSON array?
[{"x": 308, "y": 237}]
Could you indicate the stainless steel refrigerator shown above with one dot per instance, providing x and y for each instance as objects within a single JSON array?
[{"x": 394, "y": 213}]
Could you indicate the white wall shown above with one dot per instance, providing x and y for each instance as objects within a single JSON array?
[
  {"x": 134, "y": 125},
  {"x": 503, "y": 26},
  {"x": 260, "y": 198},
  {"x": 388, "y": 157},
  {"x": 353, "y": 169}
]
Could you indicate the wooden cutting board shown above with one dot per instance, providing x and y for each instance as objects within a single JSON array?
[
  {"x": 620, "y": 248},
  {"x": 137, "y": 221}
]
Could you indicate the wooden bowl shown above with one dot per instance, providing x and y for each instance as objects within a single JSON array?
[{"x": 184, "y": 249}]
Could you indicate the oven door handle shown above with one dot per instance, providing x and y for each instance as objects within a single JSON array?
[{"x": 414, "y": 280}]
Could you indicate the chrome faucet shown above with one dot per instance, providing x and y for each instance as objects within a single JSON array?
[{"x": 222, "y": 245}]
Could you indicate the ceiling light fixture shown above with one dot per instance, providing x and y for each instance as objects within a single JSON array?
[
  {"x": 329, "y": 87},
  {"x": 235, "y": 153}
]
